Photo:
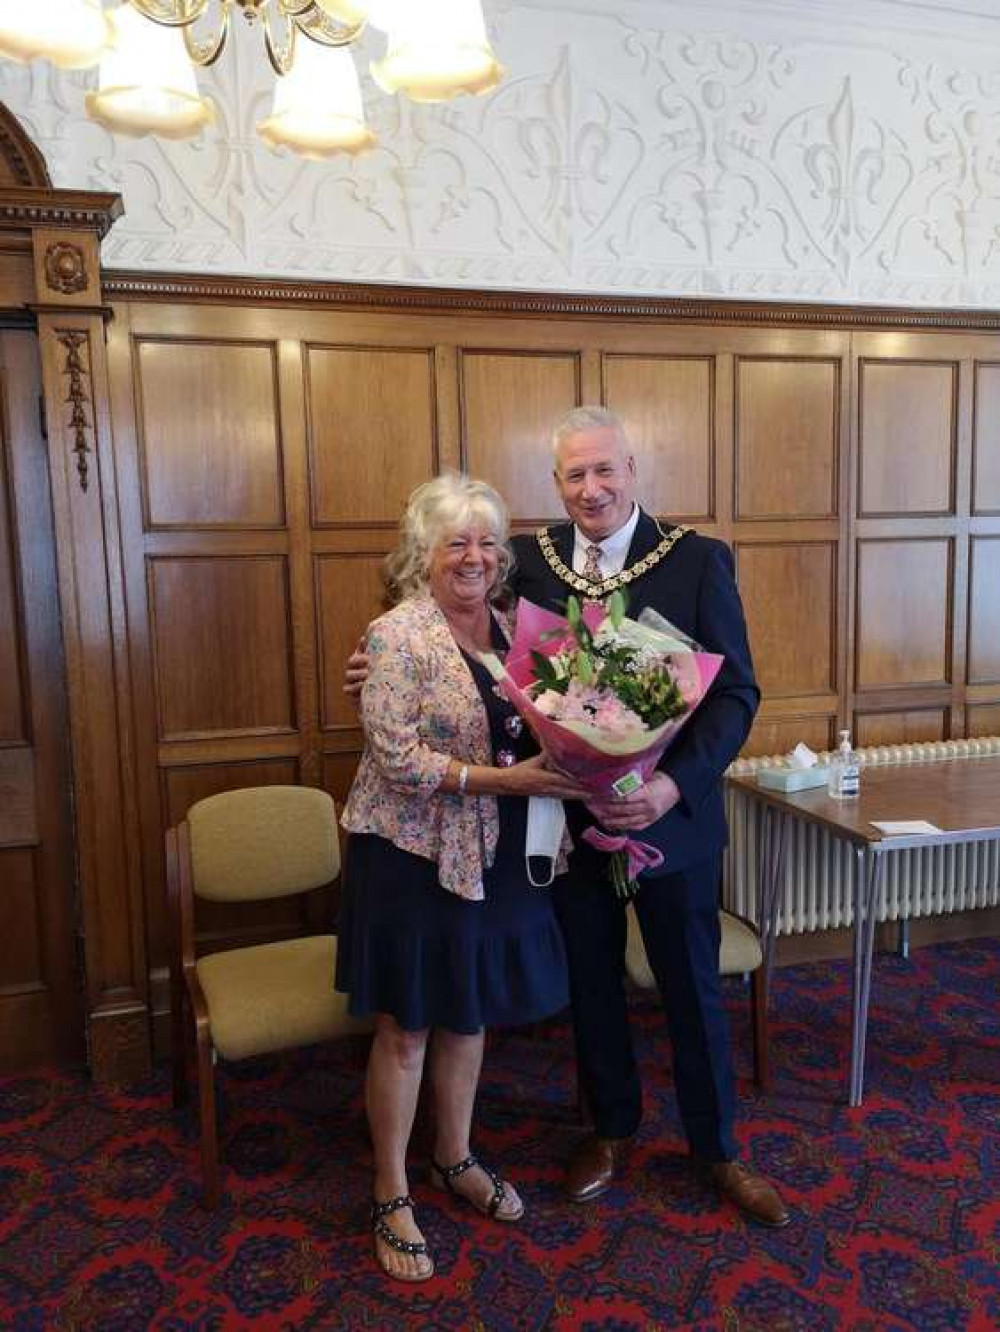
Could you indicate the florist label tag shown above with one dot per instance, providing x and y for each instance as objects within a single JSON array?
[{"x": 627, "y": 784}]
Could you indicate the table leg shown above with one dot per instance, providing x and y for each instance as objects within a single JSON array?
[
  {"x": 772, "y": 859},
  {"x": 903, "y": 948},
  {"x": 867, "y": 878}
]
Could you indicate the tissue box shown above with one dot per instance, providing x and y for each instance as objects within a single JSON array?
[{"x": 793, "y": 779}]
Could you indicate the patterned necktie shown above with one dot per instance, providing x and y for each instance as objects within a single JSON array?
[{"x": 592, "y": 565}]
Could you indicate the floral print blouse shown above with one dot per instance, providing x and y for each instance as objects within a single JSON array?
[{"x": 420, "y": 707}]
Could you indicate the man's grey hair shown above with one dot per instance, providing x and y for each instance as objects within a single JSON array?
[{"x": 588, "y": 418}]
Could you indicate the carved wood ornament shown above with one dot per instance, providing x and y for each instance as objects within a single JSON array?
[
  {"x": 78, "y": 398},
  {"x": 21, "y": 163},
  {"x": 65, "y": 269}
]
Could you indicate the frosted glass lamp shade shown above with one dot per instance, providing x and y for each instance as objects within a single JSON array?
[
  {"x": 147, "y": 83},
  {"x": 70, "y": 33},
  {"x": 436, "y": 50},
  {"x": 317, "y": 108}
]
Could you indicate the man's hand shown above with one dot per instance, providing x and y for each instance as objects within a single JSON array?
[
  {"x": 357, "y": 668},
  {"x": 634, "y": 812}
]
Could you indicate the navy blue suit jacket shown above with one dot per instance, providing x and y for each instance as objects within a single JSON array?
[{"x": 694, "y": 587}]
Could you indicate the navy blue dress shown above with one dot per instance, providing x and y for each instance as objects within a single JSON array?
[{"x": 430, "y": 958}]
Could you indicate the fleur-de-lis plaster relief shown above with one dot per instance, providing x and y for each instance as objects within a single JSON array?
[{"x": 632, "y": 147}]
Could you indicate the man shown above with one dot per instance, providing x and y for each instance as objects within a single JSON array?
[{"x": 610, "y": 542}]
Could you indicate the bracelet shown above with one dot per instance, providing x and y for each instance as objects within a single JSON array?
[{"x": 463, "y": 777}]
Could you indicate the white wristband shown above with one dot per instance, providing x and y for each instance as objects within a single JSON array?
[{"x": 463, "y": 777}]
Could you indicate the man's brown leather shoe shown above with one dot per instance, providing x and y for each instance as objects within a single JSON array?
[
  {"x": 593, "y": 1166},
  {"x": 758, "y": 1200}
]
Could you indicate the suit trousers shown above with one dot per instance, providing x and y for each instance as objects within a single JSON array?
[{"x": 679, "y": 917}]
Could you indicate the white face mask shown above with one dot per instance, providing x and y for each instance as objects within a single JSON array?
[{"x": 543, "y": 835}]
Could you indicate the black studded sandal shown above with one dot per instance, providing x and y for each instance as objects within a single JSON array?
[
  {"x": 443, "y": 1177},
  {"x": 384, "y": 1232}
]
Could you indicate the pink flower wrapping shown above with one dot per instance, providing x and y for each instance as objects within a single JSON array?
[
  {"x": 596, "y": 738},
  {"x": 594, "y": 754}
]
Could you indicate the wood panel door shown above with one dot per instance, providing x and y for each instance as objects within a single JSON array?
[{"x": 41, "y": 1001}]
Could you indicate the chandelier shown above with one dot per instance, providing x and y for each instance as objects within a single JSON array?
[{"x": 148, "y": 52}]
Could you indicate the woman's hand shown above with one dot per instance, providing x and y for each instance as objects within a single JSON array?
[{"x": 532, "y": 778}]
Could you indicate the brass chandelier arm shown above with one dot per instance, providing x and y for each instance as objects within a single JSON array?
[
  {"x": 205, "y": 51},
  {"x": 172, "y": 13},
  {"x": 319, "y": 26},
  {"x": 306, "y": 16},
  {"x": 279, "y": 53}
]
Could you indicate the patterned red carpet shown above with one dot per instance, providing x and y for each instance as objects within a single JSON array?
[{"x": 897, "y": 1205}]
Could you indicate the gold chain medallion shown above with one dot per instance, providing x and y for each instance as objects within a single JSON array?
[{"x": 598, "y": 591}]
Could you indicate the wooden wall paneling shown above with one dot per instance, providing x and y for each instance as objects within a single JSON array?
[
  {"x": 349, "y": 593},
  {"x": 82, "y": 471},
  {"x": 305, "y": 682},
  {"x": 17, "y": 281},
  {"x": 41, "y": 999},
  {"x": 984, "y": 611},
  {"x": 935, "y": 381},
  {"x": 232, "y": 684},
  {"x": 982, "y": 719},
  {"x": 904, "y": 613},
  {"x": 447, "y": 407},
  {"x": 221, "y": 645},
  {"x": 13, "y": 710},
  {"x": 789, "y": 592},
  {"x": 848, "y": 527},
  {"x": 725, "y": 526},
  {"x": 485, "y": 390},
  {"x": 667, "y": 403},
  {"x": 218, "y": 462},
  {"x": 900, "y": 403},
  {"x": 123, "y": 370},
  {"x": 961, "y": 549},
  {"x": 591, "y": 373},
  {"x": 901, "y": 728},
  {"x": 787, "y": 438},
  {"x": 986, "y": 445},
  {"x": 22, "y": 962},
  {"x": 780, "y": 735},
  {"x": 338, "y": 772},
  {"x": 372, "y": 431},
  {"x": 21, "y": 161},
  {"x": 510, "y": 402}
]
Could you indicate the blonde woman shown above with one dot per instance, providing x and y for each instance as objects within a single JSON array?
[{"x": 442, "y": 935}]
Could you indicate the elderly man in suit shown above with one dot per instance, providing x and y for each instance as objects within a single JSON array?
[{"x": 611, "y": 542}]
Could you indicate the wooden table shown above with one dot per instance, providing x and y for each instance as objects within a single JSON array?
[{"x": 961, "y": 797}]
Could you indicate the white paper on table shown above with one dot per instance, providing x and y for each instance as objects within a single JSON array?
[{"x": 906, "y": 827}]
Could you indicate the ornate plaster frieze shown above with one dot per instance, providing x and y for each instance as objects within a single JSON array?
[{"x": 729, "y": 151}]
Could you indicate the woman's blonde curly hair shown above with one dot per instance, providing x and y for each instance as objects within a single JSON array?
[{"x": 451, "y": 503}]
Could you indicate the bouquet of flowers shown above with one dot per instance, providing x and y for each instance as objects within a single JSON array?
[{"x": 605, "y": 695}]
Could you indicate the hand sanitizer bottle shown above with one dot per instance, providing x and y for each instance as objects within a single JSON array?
[{"x": 844, "y": 782}]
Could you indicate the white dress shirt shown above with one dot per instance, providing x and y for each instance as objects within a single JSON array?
[{"x": 614, "y": 549}]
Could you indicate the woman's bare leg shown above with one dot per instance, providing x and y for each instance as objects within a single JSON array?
[
  {"x": 395, "y": 1068},
  {"x": 455, "y": 1061}
]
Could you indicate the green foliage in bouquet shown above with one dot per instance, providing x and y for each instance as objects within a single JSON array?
[{"x": 609, "y": 662}]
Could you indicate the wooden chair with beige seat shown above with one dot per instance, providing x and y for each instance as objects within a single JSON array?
[
  {"x": 740, "y": 953},
  {"x": 248, "y": 846}
]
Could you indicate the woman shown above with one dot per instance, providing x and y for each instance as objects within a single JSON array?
[{"x": 441, "y": 930}]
